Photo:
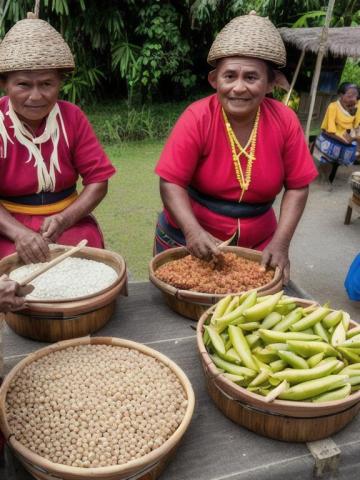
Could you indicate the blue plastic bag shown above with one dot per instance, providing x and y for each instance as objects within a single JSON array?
[
  {"x": 336, "y": 151},
  {"x": 352, "y": 280}
]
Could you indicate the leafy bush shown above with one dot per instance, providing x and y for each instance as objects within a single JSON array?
[
  {"x": 80, "y": 85},
  {"x": 351, "y": 72},
  {"x": 114, "y": 123}
]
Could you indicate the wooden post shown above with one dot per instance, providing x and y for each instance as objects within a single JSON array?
[
  {"x": 319, "y": 59},
  {"x": 296, "y": 73},
  {"x": 37, "y": 8}
]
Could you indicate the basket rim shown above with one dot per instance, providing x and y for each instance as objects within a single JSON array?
[
  {"x": 206, "y": 298},
  {"x": 303, "y": 409},
  {"x": 60, "y": 302},
  {"x": 98, "y": 472}
]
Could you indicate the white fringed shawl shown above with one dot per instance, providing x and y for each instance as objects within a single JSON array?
[
  {"x": 4, "y": 136},
  {"x": 46, "y": 178}
]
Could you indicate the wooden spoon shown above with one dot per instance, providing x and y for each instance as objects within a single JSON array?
[
  {"x": 227, "y": 242},
  {"x": 52, "y": 263}
]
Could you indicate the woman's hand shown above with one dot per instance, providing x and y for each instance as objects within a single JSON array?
[
  {"x": 198, "y": 241},
  {"x": 201, "y": 244},
  {"x": 53, "y": 227},
  {"x": 276, "y": 254},
  {"x": 31, "y": 246},
  {"x": 347, "y": 137},
  {"x": 8, "y": 297},
  {"x": 88, "y": 199}
]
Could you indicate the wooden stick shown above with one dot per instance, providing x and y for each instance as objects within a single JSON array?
[
  {"x": 52, "y": 263},
  {"x": 319, "y": 59},
  {"x": 227, "y": 242},
  {"x": 37, "y": 8},
  {"x": 293, "y": 81}
]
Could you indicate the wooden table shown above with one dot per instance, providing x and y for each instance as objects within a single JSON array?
[{"x": 214, "y": 448}]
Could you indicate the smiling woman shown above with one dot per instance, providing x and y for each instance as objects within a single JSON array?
[
  {"x": 45, "y": 144},
  {"x": 230, "y": 154}
]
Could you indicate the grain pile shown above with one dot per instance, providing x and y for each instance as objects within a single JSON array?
[
  {"x": 72, "y": 278},
  {"x": 231, "y": 275},
  {"x": 95, "y": 405}
]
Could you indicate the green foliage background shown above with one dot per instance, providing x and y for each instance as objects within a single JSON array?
[{"x": 145, "y": 50}]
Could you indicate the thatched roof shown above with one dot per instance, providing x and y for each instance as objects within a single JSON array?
[{"x": 342, "y": 41}]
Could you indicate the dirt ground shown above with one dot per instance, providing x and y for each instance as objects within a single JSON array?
[{"x": 323, "y": 247}]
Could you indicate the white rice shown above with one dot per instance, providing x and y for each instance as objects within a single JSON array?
[{"x": 72, "y": 278}]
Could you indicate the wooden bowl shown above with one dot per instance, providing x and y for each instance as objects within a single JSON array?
[
  {"x": 51, "y": 321},
  {"x": 148, "y": 467},
  {"x": 281, "y": 419},
  {"x": 192, "y": 304}
]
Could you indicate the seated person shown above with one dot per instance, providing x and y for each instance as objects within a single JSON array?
[
  {"x": 45, "y": 145},
  {"x": 337, "y": 145}
]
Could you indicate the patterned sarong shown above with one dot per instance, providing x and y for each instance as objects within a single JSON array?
[{"x": 167, "y": 236}]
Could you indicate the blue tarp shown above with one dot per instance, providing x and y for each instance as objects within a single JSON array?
[{"x": 352, "y": 280}]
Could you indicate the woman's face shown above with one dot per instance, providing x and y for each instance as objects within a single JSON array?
[
  {"x": 241, "y": 84},
  {"x": 349, "y": 99},
  {"x": 33, "y": 94}
]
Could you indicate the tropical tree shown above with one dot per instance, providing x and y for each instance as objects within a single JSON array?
[{"x": 144, "y": 48}]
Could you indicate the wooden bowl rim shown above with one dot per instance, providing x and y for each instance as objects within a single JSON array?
[
  {"x": 86, "y": 252},
  {"x": 147, "y": 460},
  {"x": 206, "y": 298},
  {"x": 299, "y": 409}
]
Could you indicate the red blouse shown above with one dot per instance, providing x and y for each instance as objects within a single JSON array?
[
  {"x": 84, "y": 156},
  {"x": 198, "y": 153}
]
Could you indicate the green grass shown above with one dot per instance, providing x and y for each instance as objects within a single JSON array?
[
  {"x": 128, "y": 214},
  {"x": 115, "y": 122}
]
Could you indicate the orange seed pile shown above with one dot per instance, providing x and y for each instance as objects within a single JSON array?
[{"x": 231, "y": 275}]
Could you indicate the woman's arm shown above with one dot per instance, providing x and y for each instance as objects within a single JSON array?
[
  {"x": 88, "y": 199},
  {"x": 31, "y": 246},
  {"x": 277, "y": 252},
  {"x": 198, "y": 241}
]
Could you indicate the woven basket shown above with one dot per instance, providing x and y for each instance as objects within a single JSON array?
[
  {"x": 33, "y": 44},
  {"x": 51, "y": 321},
  {"x": 193, "y": 304},
  {"x": 249, "y": 36},
  {"x": 148, "y": 467},
  {"x": 280, "y": 419}
]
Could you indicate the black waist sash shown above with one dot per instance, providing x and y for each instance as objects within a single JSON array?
[
  {"x": 41, "y": 198},
  {"x": 229, "y": 208}
]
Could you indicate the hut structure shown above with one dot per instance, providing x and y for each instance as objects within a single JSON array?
[{"x": 341, "y": 43}]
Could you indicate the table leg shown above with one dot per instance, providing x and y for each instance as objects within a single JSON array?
[
  {"x": 334, "y": 169},
  {"x": 348, "y": 215}
]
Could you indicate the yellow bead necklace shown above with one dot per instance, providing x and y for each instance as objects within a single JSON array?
[{"x": 244, "y": 181}]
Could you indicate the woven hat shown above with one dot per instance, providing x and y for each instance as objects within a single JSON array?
[
  {"x": 33, "y": 44},
  {"x": 249, "y": 36}
]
